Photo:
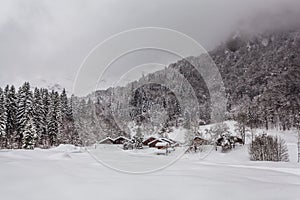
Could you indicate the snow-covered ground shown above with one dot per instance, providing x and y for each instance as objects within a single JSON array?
[
  {"x": 134, "y": 161},
  {"x": 72, "y": 173}
]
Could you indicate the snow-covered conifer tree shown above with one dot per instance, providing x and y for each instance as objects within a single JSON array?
[
  {"x": 58, "y": 114},
  {"x": 138, "y": 138},
  {"x": 38, "y": 112},
  {"x": 25, "y": 111},
  {"x": 66, "y": 119},
  {"x": 75, "y": 138},
  {"x": 11, "y": 109},
  {"x": 29, "y": 135},
  {"x": 52, "y": 122},
  {"x": 44, "y": 137},
  {"x": 64, "y": 104},
  {"x": 3, "y": 120}
]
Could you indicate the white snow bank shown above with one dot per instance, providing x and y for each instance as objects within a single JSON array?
[
  {"x": 67, "y": 148},
  {"x": 219, "y": 176}
]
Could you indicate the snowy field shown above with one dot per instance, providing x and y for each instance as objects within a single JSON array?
[
  {"x": 67, "y": 172},
  {"x": 134, "y": 161}
]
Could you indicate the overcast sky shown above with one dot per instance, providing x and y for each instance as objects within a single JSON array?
[{"x": 48, "y": 39}]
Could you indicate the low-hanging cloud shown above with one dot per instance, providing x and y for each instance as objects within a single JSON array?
[{"x": 49, "y": 39}]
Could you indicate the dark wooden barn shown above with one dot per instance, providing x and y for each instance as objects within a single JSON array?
[
  {"x": 107, "y": 140},
  {"x": 148, "y": 140},
  {"x": 154, "y": 142},
  {"x": 121, "y": 140}
]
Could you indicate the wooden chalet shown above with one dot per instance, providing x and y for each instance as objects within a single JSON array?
[
  {"x": 107, "y": 140},
  {"x": 121, "y": 140},
  {"x": 162, "y": 145},
  {"x": 148, "y": 140},
  {"x": 162, "y": 148},
  {"x": 154, "y": 142}
]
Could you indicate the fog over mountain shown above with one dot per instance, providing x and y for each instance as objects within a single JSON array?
[{"x": 44, "y": 40}]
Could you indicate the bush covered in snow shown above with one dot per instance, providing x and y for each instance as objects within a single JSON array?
[{"x": 268, "y": 148}]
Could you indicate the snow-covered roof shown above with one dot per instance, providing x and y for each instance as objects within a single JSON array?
[
  {"x": 107, "y": 138},
  {"x": 161, "y": 144},
  {"x": 168, "y": 140},
  {"x": 155, "y": 141},
  {"x": 122, "y": 137},
  {"x": 149, "y": 138}
]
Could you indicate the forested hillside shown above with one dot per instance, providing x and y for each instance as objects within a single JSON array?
[
  {"x": 261, "y": 75},
  {"x": 262, "y": 78}
]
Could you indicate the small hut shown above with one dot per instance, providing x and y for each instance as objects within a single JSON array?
[
  {"x": 148, "y": 140},
  {"x": 162, "y": 148},
  {"x": 107, "y": 140},
  {"x": 121, "y": 140},
  {"x": 162, "y": 145},
  {"x": 154, "y": 142}
]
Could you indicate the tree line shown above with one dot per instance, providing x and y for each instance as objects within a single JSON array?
[
  {"x": 261, "y": 76},
  {"x": 35, "y": 118}
]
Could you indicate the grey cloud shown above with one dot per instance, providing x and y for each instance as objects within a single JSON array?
[{"x": 49, "y": 39}]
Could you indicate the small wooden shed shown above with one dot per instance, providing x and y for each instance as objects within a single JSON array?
[
  {"x": 162, "y": 145},
  {"x": 154, "y": 142},
  {"x": 107, "y": 140},
  {"x": 162, "y": 148},
  {"x": 121, "y": 140},
  {"x": 148, "y": 140}
]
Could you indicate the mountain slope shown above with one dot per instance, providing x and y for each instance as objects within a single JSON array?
[{"x": 261, "y": 75}]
